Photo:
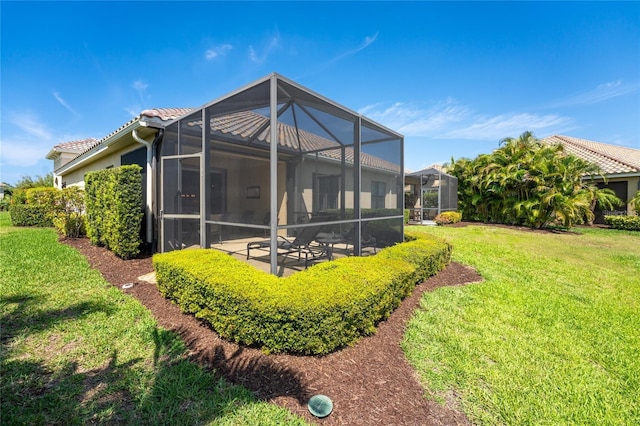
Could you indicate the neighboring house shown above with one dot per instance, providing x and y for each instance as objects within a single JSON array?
[
  {"x": 434, "y": 190},
  {"x": 620, "y": 166},
  {"x": 222, "y": 181}
]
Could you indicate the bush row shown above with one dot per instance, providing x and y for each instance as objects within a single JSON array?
[
  {"x": 114, "y": 209},
  {"x": 30, "y": 215},
  {"x": 48, "y": 206},
  {"x": 316, "y": 311},
  {"x": 629, "y": 223}
]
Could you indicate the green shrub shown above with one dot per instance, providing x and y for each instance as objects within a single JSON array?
[
  {"x": 114, "y": 209},
  {"x": 629, "y": 223},
  {"x": 69, "y": 218},
  {"x": 446, "y": 218},
  {"x": 316, "y": 311},
  {"x": 406, "y": 216},
  {"x": 19, "y": 196},
  {"x": 30, "y": 215},
  {"x": 43, "y": 196}
]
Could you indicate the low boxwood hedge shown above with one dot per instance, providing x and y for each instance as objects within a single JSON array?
[
  {"x": 629, "y": 223},
  {"x": 316, "y": 311},
  {"x": 30, "y": 215}
]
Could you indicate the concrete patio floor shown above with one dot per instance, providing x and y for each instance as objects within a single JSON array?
[{"x": 288, "y": 264}]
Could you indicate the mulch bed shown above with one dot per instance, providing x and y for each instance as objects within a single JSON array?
[{"x": 370, "y": 383}]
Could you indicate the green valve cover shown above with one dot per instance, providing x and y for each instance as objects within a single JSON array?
[{"x": 320, "y": 405}]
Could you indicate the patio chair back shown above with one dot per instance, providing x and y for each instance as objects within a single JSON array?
[{"x": 306, "y": 236}]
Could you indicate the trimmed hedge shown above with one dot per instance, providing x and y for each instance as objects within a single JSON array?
[
  {"x": 34, "y": 207},
  {"x": 113, "y": 200},
  {"x": 316, "y": 311},
  {"x": 48, "y": 206},
  {"x": 446, "y": 218},
  {"x": 629, "y": 223},
  {"x": 30, "y": 215}
]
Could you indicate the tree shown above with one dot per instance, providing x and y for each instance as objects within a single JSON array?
[
  {"x": 39, "y": 181},
  {"x": 525, "y": 182},
  {"x": 635, "y": 202}
]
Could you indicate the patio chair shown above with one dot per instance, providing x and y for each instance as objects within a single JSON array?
[
  {"x": 366, "y": 239},
  {"x": 300, "y": 245}
]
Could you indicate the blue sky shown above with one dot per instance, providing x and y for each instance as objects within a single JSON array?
[{"x": 454, "y": 77}]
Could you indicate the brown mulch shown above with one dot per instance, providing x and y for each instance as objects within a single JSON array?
[{"x": 370, "y": 383}]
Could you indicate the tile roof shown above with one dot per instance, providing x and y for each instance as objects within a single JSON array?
[
  {"x": 163, "y": 114},
  {"x": 155, "y": 114},
  {"x": 612, "y": 159},
  {"x": 76, "y": 146},
  {"x": 166, "y": 114},
  {"x": 245, "y": 124},
  {"x": 429, "y": 170}
]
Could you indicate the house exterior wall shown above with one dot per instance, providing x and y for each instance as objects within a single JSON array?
[
  {"x": 306, "y": 180},
  {"x": 76, "y": 177},
  {"x": 633, "y": 185}
]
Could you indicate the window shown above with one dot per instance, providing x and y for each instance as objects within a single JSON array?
[
  {"x": 328, "y": 190},
  {"x": 378, "y": 192}
]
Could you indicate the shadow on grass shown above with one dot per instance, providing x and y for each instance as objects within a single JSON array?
[
  {"x": 26, "y": 317},
  {"x": 250, "y": 369},
  {"x": 168, "y": 389}
]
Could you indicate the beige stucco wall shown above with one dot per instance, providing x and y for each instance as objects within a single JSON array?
[
  {"x": 250, "y": 172},
  {"x": 306, "y": 173},
  {"x": 76, "y": 177}
]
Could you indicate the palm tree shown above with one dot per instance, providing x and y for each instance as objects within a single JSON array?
[
  {"x": 529, "y": 183},
  {"x": 635, "y": 202}
]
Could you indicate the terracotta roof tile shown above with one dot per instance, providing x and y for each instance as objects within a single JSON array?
[
  {"x": 612, "y": 159},
  {"x": 246, "y": 123},
  {"x": 166, "y": 114},
  {"x": 76, "y": 146}
]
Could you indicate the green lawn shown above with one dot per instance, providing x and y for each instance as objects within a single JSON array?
[
  {"x": 76, "y": 350},
  {"x": 551, "y": 337}
]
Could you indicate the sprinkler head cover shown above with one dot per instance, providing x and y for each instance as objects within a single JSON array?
[{"x": 320, "y": 405}]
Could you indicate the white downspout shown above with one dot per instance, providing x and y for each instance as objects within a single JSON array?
[{"x": 149, "y": 207}]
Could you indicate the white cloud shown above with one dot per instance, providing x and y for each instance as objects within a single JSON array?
[
  {"x": 133, "y": 110},
  {"x": 602, "y": 92},
  {"x": 368, "y": 40},
  {"x": 271, "y": 44},
  {"x": 22, "y": 153},
  {"x": 64, "y": 103},
  {"x": 509, "y": 125},
  {"x": 252, "y": 54},
  {"x": 140, "y": 86},
  {"x": 217, "y": 51},
  {"x": 30, "y": 124},
  {"x": 450, "y": 120}
]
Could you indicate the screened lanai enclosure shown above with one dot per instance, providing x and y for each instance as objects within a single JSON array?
[
  {"x": 434, "y": 192},
  {"x": 281, "y": 174}
]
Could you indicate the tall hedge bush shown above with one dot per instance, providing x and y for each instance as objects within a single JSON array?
[
  {"x": 34, "y": 207},
  {"x": 113, "y": 203}
]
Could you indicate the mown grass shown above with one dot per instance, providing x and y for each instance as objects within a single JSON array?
[
  {"x": 76, "y": 350},
  {"x": 552, "y": 336}
]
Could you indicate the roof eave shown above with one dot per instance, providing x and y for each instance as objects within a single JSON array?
[{"x": 99, "y": 148}]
